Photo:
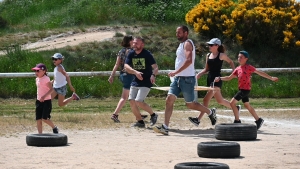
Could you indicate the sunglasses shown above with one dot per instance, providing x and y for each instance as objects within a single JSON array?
[
  {"x": 212, "y": 45},
  {"x": 37, "y": 70},
  {"x": 55, "y": 59}
]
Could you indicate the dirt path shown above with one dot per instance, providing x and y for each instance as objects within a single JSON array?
[
  {"x": 276, "y": 147},
  {"x": 69, "y": 39}
]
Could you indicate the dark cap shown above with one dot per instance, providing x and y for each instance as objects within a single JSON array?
[
  {"x": 245, "y": 53},
  {"x": 39, "y": 66}
]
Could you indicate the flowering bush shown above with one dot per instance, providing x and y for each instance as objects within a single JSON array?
[{"x": 272, "y": 23}]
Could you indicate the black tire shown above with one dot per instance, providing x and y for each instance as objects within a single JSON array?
[
  {"x": 46, "y": 139},
  {"x": 219, "y": 149},
  {"x": 201, "y": 165},
  {"x": 235, "y": 131}
]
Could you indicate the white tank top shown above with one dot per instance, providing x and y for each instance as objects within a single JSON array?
[
  {"x": 180, "y": 59},
  {"x": 59, "y": 79}
]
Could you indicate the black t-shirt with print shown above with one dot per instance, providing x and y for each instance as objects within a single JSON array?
[{"x": 141, "y": 62}]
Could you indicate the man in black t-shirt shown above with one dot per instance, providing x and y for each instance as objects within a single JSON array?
[{"x": 142, "y": 64}]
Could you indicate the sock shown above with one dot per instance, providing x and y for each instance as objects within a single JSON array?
[
  {"x": 141, "y": 121},
  {"x": 165, "y": 126},
  {"x": 152, "y": 115},
  {"x": 210, "y": 112}
]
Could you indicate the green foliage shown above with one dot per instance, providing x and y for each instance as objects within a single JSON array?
[{"x": 267, "y": 29}]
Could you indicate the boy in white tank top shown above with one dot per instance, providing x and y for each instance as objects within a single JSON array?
[{"x": 61, "y": 79}]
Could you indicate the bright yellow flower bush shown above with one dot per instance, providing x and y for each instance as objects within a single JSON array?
[{"x": 274, "y": 23}]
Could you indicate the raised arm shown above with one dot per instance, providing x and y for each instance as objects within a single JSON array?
[
  {"x": 265, "y": 75},
  {"x": 223, "y": 56}
]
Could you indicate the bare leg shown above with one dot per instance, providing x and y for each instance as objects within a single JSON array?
[
  {"x": 53, "y": 94},
  {"x": 234, "y": 109},
  {"x": 145, "y": 107},
  {"x": 62, "y": 101},
  {"x": 122, "y": 101},
  {"x": 218, "y": 96},
  {"x": 206, "y": 101},
  {"x": 251, "y": 110},
  {"x": 197, "y": 106},
  {"x": 169, "y": 108},
  {"x": 49, "y": 122},
  {"x": 135, "y": 110},
  {"x": 39, "y": 126}
]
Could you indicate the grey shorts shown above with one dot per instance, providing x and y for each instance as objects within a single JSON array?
[
  {"x": 138, "y": 93},
  {"x": 62, "y": 90}
]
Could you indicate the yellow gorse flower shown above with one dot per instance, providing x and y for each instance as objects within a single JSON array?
[{"x": 248, "y": 20}]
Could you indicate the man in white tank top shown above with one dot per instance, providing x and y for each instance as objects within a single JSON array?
[{"x": 184, "y": 81}]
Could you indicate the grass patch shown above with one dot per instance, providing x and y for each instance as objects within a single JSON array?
[{"x": 18, "y": 115}]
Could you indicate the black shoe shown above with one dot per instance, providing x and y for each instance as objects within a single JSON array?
[
  {"x": 144, "y": 116},
  {"x": 153, "y": 119},
  {"x": 237, "y": 121},
  {"x": 55, "y": 130},
  {"x": 213, "y": 116},
  {"x": 137, "y": 124},
  {"x": 161, "y": 130},
  {"x": 259, "y": 123},
  {"x": 195, "y": 121}
]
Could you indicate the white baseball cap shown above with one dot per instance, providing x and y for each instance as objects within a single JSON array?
[{"x": 214, "y": 41}]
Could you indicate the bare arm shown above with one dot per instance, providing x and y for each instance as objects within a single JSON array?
[
  {"x": 111, "y": 77},
  {"x": 188, "y": 50},
  {"x": 154, "y": 73},
  {"x": 223, "y": 56},
  {"x": 265, "y": 75},
  {"x": 203, "y": 71},
  {"x": 130, "y": 70},
  {"x": 225, "y": 78}
]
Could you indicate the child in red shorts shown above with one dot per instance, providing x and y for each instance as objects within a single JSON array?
[{"x": 243, "y": 73}]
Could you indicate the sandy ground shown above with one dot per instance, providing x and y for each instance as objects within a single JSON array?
[{"x": 277, "y": 146}]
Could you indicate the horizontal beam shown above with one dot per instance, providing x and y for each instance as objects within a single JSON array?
[{"x": 160, "y": 72}]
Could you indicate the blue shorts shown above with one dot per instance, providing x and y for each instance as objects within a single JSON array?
[
  {"x": 184, "y": 84},
  {"x": 126, "y": 80},
  {"x": 62, "y": 90}
]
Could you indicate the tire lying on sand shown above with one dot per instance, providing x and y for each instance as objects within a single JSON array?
[
  {"x": 46, "y": 139},
  {"x": 201, "y": 165},
  {"x": 219, "y": 149},
  {"x": 235, "y": 131}
]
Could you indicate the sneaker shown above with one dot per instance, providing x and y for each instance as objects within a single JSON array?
[
  {"x": 237, "y": 121},
  {"x": 137, "y": 124},
  {"x": 55, "y": 130},
  {"x": 213, "y": 116},
  {"x": 161, "y": 130},
  {"x": 259, "y": 123},
  {"x": 195, "y": 121},
  {"x": 144, "y": 116},
  {"x": 239, "y": 107},
  {"x": 153, "y": 119},
  {"x": 75, "y": 96},
  {"x": 114, "y": 117}
]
